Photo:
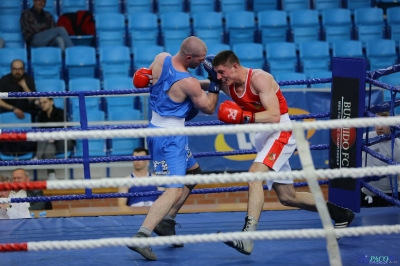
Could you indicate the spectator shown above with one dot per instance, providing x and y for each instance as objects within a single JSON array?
[
  {"x": 18, "y": 81},
  {"x": 21, "y": 175},
  {"x": 47, "y": 149},
  {"x": 369, "y": 199},
  {"x": 12, "y": 210},
  {"x": 140, "y": 170},
  {"x": 39, "y": 28},
  {"x": 1, "y": 42}
]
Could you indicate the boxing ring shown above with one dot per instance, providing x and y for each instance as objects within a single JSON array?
[{"x": 294, "y": 237}]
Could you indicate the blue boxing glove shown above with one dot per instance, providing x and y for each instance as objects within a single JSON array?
[
  {"x": 207, "y": 65},
  {"x": 192, "y": 113},
  {"x": 212, "y": 75}
]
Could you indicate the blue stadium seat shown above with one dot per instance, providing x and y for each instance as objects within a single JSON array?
[
  {"x": 322, "y": 5},
  {"x": 11, "y": 118},
  {"x": 84, "y": 84},
  {"x": 272, "y": 26},
  {"x": 172, "y": 48},
  {"x": 381, "y": 53},
  {"x": 304, "y": 26},
  {"x": 215, "y": 48},
  {"x": 124, "y": 146},
  {"x": 314, "y": 56},
  {"x": 347, "y": 49},
  {"x": 210, "y": 30},
  {"x": 166, "y": 6},
  {"x": 369, "y": 24},
  {"x": 115, "y": 61},
  {"x": 46, "y": 62},
  {"x": 13, "y": 7},
  {"x": 138, "y": 6},
  {"x": 142, "y": 29},
  {"x": 7, "y": 55},
  {"x": 250, "y": 54},
  {"x": 110, "y": 29},
  {"x": 232, "y": 5},
  {"x": 393, "y": 22},
  {"x": 175, "y": 27},
  {"x": 262, "y": 5},
  {"x": 52, "y": 85},
  {"x": 80, "y": 61},
  {"x": 201, "y": 6},
  {"x": 240, "y": 26},
  {"x": 291, "y": 76},
  {"x": 10, "y": 31},
  {"x": 143, "y": 56},
  {"x": 124, "y": 102},
  {"x": 290, "y": 5},
  {"x": 106, "y": 6},
  {"x": 97, "y": 147},
  {"x": 51, "y": 6},
  {"x": 67, "y": 6},
  {"x": 321, "y": 74},
  {"x": 281, "y": 57},
  {"x": 354, "y": 4},
  {"x": 336, "y": 24}
]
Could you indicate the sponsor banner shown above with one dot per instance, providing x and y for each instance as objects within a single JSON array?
[
  {"x": 348, "y": 92},
  {"x": 299, "y": 102}
]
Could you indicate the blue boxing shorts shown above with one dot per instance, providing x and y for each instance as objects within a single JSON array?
[{"x": 170, "y": 156}]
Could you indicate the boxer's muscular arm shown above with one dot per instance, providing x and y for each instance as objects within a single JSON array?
[
  {"x": 264, "y": 84},
  {"x": 205, "y": 102}
]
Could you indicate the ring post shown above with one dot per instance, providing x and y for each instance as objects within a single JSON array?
[
  {"x": 347, "y": 101},
  {"x": 85, "y": 142}
]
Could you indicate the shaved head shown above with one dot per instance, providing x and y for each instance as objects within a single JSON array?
[{"x": 193, "y": 46}]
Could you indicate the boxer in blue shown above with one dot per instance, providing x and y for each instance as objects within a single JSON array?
[{"x": 174, "y": 94}]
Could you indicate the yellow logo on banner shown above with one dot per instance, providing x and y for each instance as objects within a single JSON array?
[{"x": 221, "y": 144}]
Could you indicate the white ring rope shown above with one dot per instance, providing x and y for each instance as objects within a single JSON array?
[
  {"x": 222, "y": 178},
  {"x": 210, "y": 130},
  {"x": 215, "y": 237}
]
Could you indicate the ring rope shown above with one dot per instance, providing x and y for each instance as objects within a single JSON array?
[
  {"x": 197, "y": 238},
  {"x": 139, "y": 194},
  {"x": 203, "y": 179},
  {"x": 109, "y": 159},
  {"x": 206, "y": 130}
]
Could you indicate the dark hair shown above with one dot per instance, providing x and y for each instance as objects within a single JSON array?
[
  {"x": 140, "y": 149},
  {"x": 17, "y": 60},
  {"x": 226, "y": 57},
  {"x": 383, "y": 114}
]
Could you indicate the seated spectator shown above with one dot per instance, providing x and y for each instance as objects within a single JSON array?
[
  {"x": 12, "y": 210},
  {"x": 140, "y": 170},
  {"x": 20, "y": 175},
  {"x": 369, "y": 199},
  {"x": 1, "y": 42},
  {"x": 39, "y": 28},
  {"x": 18, "y": 81},
  {"x": 47, "y": 149}
]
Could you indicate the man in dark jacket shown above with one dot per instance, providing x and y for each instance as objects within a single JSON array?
[
  {"x": 20, "y": 175},
  {"x": 39, "y": 28}
]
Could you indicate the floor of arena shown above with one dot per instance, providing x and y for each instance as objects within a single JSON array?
[{"x": 354, "y": 250}]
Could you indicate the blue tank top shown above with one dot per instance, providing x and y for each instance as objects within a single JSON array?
[
  {"x": 132, "y": 200},
  {"x": 160, "y": 101}
]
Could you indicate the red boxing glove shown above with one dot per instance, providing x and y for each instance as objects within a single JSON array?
[
  {"x": 142, "y": 78},
  {"x": 230, "y": 112}
]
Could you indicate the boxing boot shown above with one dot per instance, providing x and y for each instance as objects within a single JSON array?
[
  {"x": 144, "y": 251},
  {"x": 245, "y": 246},
  {"x": 342, "y": 216},
  {"x": 167, "y": 228}
]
